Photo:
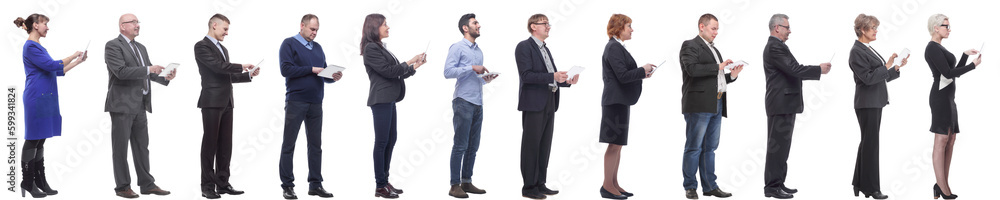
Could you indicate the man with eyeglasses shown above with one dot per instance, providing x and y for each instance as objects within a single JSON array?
[
  {"x": 128, "y": 99},
  {"x": 782, "y": 101},
  {"x": 538, "y": 100}
]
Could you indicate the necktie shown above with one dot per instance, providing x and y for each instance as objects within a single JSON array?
[
  {"x": 548, "y": 66},
  {"x": 138, "y": 58}
]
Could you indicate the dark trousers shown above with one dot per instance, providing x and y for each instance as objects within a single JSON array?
[
  {"x": 536, "y": 144},
  {"x": 129, "y": 128},
  {"x": 779, "y": 143},
  {"x": 866, "y": 175},
  {"x": 384, "y": 118},
  {"x": 295, "y": 113},
  {"x": 216, "y": 147}
]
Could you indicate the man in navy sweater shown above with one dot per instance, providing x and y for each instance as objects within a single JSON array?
[{"x": 301, "y": 60}]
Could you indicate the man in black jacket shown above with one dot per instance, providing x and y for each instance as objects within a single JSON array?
[
  {"x": 538, "y": 101},
  {"x": 782, "y": 101},
  {"x": 703, "y": 103},
  {"x": 216, "y": 103}
]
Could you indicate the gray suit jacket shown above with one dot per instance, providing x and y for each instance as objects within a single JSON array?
[
  {"x": 870, "y": 76},
  {"x": 385, "y": 75},
  {"x": 127, "y": 78}
]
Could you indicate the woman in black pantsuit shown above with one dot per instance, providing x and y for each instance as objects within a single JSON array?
[
  {"x": 871, "y": 73},
  {"x": 622, "y": 87},
  {"x": 944, "y": 114}
]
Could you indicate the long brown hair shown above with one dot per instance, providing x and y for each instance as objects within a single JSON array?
[
  {"x": 370, "y": 30},
  {"x": 29, "y": 24}
]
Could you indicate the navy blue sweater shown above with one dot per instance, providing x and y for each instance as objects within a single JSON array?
[{"x": 296, "y": 66}]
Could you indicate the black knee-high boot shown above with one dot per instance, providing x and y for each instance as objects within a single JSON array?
[
  {"x": 28, "y": 170},
  {"x": 40, "y": 181}
]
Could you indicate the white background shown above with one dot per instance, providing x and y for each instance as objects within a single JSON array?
[{"x": 820, "y": 165}]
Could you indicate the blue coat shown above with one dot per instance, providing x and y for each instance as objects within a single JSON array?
[{"x": 41, "y": 94}]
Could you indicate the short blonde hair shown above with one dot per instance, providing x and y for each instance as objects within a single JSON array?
[
  {"x": 616, "y": 24},
  {"x": 935, "y": 21},
  {"x": 864, "y": 23}
]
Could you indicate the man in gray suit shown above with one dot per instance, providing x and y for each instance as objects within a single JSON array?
[{"x": 129, "y": 94}]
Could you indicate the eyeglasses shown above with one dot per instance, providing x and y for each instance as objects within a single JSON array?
[
  {"x": 133, "y": 21},
  {"x": 786, "y": 27},
  {"x": 543, "y": 24},
  {"x": 948, "y": 26}
]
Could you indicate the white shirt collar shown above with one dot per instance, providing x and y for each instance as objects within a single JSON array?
[
  {"x": 619, "y": 40},
  {"x": 126, "y": 38},
  {"x": 706, "y": 41}
]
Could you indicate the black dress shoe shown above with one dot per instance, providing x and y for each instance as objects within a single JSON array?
[
  {"x": 210, "y": 194},
  {"x": 788, "y": 190},
  {"x": 394, "y": 189},
  {"x": 691, "y": 193},
  {"x": 777, "y": 193},
  {"x": 385, "y": 192},
  {"x": 319, "y": 191},
  {"x": 288, "y": 193},
  {"x": 608, "y": 195},
  {"x": 533, "y": 195},
  {"x": 546, "y": 191},
  {"x": 229, "y": 190},
  {"x": 627, "y": 194},
  {"x": 718, "y": 193},
  {"x": 875, "y": 195}
]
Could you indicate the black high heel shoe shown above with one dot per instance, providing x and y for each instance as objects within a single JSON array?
[
  {"x": 874, "y": 195},
  {"x": 608, "y": 195},
  {"x": 938, "y": 193}
]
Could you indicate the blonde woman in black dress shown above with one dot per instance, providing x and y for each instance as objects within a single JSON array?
[{"x": 944, "y": 115}]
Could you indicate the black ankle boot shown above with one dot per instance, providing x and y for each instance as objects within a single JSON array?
[
  {"x": 27, "y": 180},
  {"x": 40, "y": 180}
]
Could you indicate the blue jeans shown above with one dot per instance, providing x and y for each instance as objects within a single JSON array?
[
  {"x": 468, "y": 126},
  {"x": 384, "y": 117},
  {"x": 699, "y": 149}
]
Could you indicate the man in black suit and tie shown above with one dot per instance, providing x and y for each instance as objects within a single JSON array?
[
  {"x": 782, "y": 101},
  {"x": 216, "y": 103},
  {"x": 129, "y": 98},
  {"x": 703, "y": 103},
  {"x": 539, "y": 100}
]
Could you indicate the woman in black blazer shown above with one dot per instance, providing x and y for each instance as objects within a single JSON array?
[
  {"x": 944, "y": 114},
  {"x": 386, "y": 87},
  {"x": 622, "y": 87},
  {"x": 871, "y": 72}
]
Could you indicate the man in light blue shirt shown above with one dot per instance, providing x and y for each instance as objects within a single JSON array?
[{"x": 465, "y": 63}]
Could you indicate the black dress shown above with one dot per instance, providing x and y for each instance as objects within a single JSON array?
[{"x": 944, "y": 112}]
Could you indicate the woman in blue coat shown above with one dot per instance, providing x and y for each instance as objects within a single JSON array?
[{"x": 41, "y": 102}]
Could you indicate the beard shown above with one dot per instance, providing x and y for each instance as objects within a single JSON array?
[{"x": 474, "y": 34}]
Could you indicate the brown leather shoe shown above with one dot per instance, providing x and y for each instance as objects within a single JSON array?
[
  {"x": 385, "y": 192},
  {"x": 394, "y": 189},
  {"x": 468, "y": 187},
  {"x": 127, "y": 193},
  {"x": 457, "y": 192},
  {"x": 156, "y": 191}
]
